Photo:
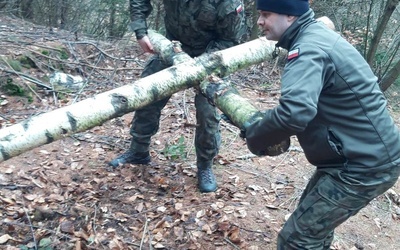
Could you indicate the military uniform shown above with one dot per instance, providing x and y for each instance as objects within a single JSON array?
[
  {"x": 331, "y": 101},
  {"x": 201, "y": 26}
]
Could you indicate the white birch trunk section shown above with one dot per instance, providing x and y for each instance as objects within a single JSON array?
[{"x": 86, "y": 114}]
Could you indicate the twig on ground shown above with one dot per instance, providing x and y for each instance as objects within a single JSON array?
[
  {"x": 27, "y": 77},
  {"x": 291, "y": 199},
  {"x": 5, "y": 118},
  {"x": 102, "y": 51},
  {"x": 94, "y": 219},
  {"x": 144, "y": 232},
  {"x": 250, "y": 172},
  {"x": 30, "y": 224},
  {"x": 231, "y": 243}
]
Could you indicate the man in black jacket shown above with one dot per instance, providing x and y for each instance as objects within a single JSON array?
[
  {"x": 201, "y": 26},
  {"x": 331, "y": 101}
]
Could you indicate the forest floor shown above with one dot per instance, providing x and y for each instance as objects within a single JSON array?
[{"x": 64, "y": 196}]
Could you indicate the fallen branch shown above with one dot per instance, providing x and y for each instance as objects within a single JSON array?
[{"x": 81, "y": 116}]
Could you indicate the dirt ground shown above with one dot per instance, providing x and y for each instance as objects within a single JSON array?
[{"x": 64, "y": 196}]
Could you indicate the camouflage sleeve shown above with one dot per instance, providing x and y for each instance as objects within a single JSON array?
[
  {"x": 139, "y": 11},
  {"x": 231, "y": 25}
]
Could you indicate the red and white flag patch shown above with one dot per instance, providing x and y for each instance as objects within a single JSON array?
[
  {"x": 239, "y": 9},
  {"x": 293, "y": 54}
]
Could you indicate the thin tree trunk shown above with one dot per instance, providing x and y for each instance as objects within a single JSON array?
[
  {"x": 64, "y": 13},
  {"x": 254, "y": 28},
  {"x": 26, "y": 9},
  {"x": 383, "y": 21},
  {"x": 390, "y": 77},
  {"x": 81, "y": 116}
]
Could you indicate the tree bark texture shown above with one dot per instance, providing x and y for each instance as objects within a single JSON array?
[
  {"x": 390, "y": 77},
  {"x": 238, "y": 109},
  {"x": 380, "y": 28},
  {"x": 186, "y": 72},
  {"x": 223, "y": 95}
]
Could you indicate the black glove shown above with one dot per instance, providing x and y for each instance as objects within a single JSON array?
[
  {"x": 278, "y": 149},
  {"x": 272, "y": 150}
]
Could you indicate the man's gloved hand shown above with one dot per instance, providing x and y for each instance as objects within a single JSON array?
[
  {"x": 278, "y": 149},
  {"x": 255, "y": 117},
  {"x": 272, "y": 150}
]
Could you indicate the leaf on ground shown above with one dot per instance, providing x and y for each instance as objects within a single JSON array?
[
  {"x": 67, "y": 227},
  {"x": 4, "y": 238},
  {"x": 234, "y": 235}
]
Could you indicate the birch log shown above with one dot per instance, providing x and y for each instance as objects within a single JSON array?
[
  {"x": 81, "y": 116},
  {"x": 238, "y": 109}
]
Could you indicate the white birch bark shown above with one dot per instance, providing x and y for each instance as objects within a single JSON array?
[{"x": 86, "y": 114}]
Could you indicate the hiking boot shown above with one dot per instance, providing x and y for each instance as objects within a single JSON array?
[
  {"x": 206, "y": 179},
  {"x": 131, "y": 157}
]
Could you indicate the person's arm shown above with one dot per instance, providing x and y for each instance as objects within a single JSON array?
[
  {"x": 230, "y": 27},
  {"x": 302, "y": 83},
  {"x": 139, "y": 11}
]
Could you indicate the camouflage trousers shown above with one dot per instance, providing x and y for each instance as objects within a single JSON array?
[
  {"x": 146, "y": 121},
  {"x": 329, "y": 199}
]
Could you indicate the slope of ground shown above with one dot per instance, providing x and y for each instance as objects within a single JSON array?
[{"x": 63, "y": 195}]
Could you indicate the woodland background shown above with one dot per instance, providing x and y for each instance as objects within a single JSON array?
[
  {"x": 62, "y": 196},
  {"x": 373, "y": 26}
]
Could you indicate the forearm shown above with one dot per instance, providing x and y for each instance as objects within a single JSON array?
[{"x": 139, "y": 11}]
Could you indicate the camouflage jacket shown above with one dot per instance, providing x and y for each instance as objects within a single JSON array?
[{"x": 200, "y": 25}]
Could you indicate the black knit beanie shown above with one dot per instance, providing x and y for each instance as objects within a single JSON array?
[{"x": 287, "y": 7}]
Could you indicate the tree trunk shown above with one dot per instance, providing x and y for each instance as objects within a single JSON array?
[
  {"x": 254, "y": 28},
  {"x": 237, "y": 109},
  {"x": 26, "y": 9},
  {"x": 228, "y": 100},
  {"x": 380, "y": 28},
  {"x": 186, "y": 72},
  {"x": 3, "y": 4},
  {"x": 390, "y": 77},
  {"x": 64, "y": 9}
]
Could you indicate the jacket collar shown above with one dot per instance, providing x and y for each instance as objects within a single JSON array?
[{"x": 290, "y": 35}]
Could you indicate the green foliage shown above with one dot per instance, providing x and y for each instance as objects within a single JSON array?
[
  {"x": 63, "y": 54},
  {"x": 61, "y": 95},
  {"x": 9, "y": 88},
  {"x": 27, "y": 62},
  {"x": 45, "y": 52},
  {"x": 266, "y": 85},
  {"x": 380, "y": 58},
  {"x": 177, "y": 150},
  {"x": 44, "y": 244},
  {"x": 14, "y": 64}
]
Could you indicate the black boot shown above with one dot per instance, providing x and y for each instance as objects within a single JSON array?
[
  {"x": 131, "y": 157},
  {"x": 206, "y": 178}
]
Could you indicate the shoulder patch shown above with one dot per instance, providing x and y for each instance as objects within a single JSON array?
[
  {"x": 293, "y": 54},
  {"x": 239, "y": 9}
]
